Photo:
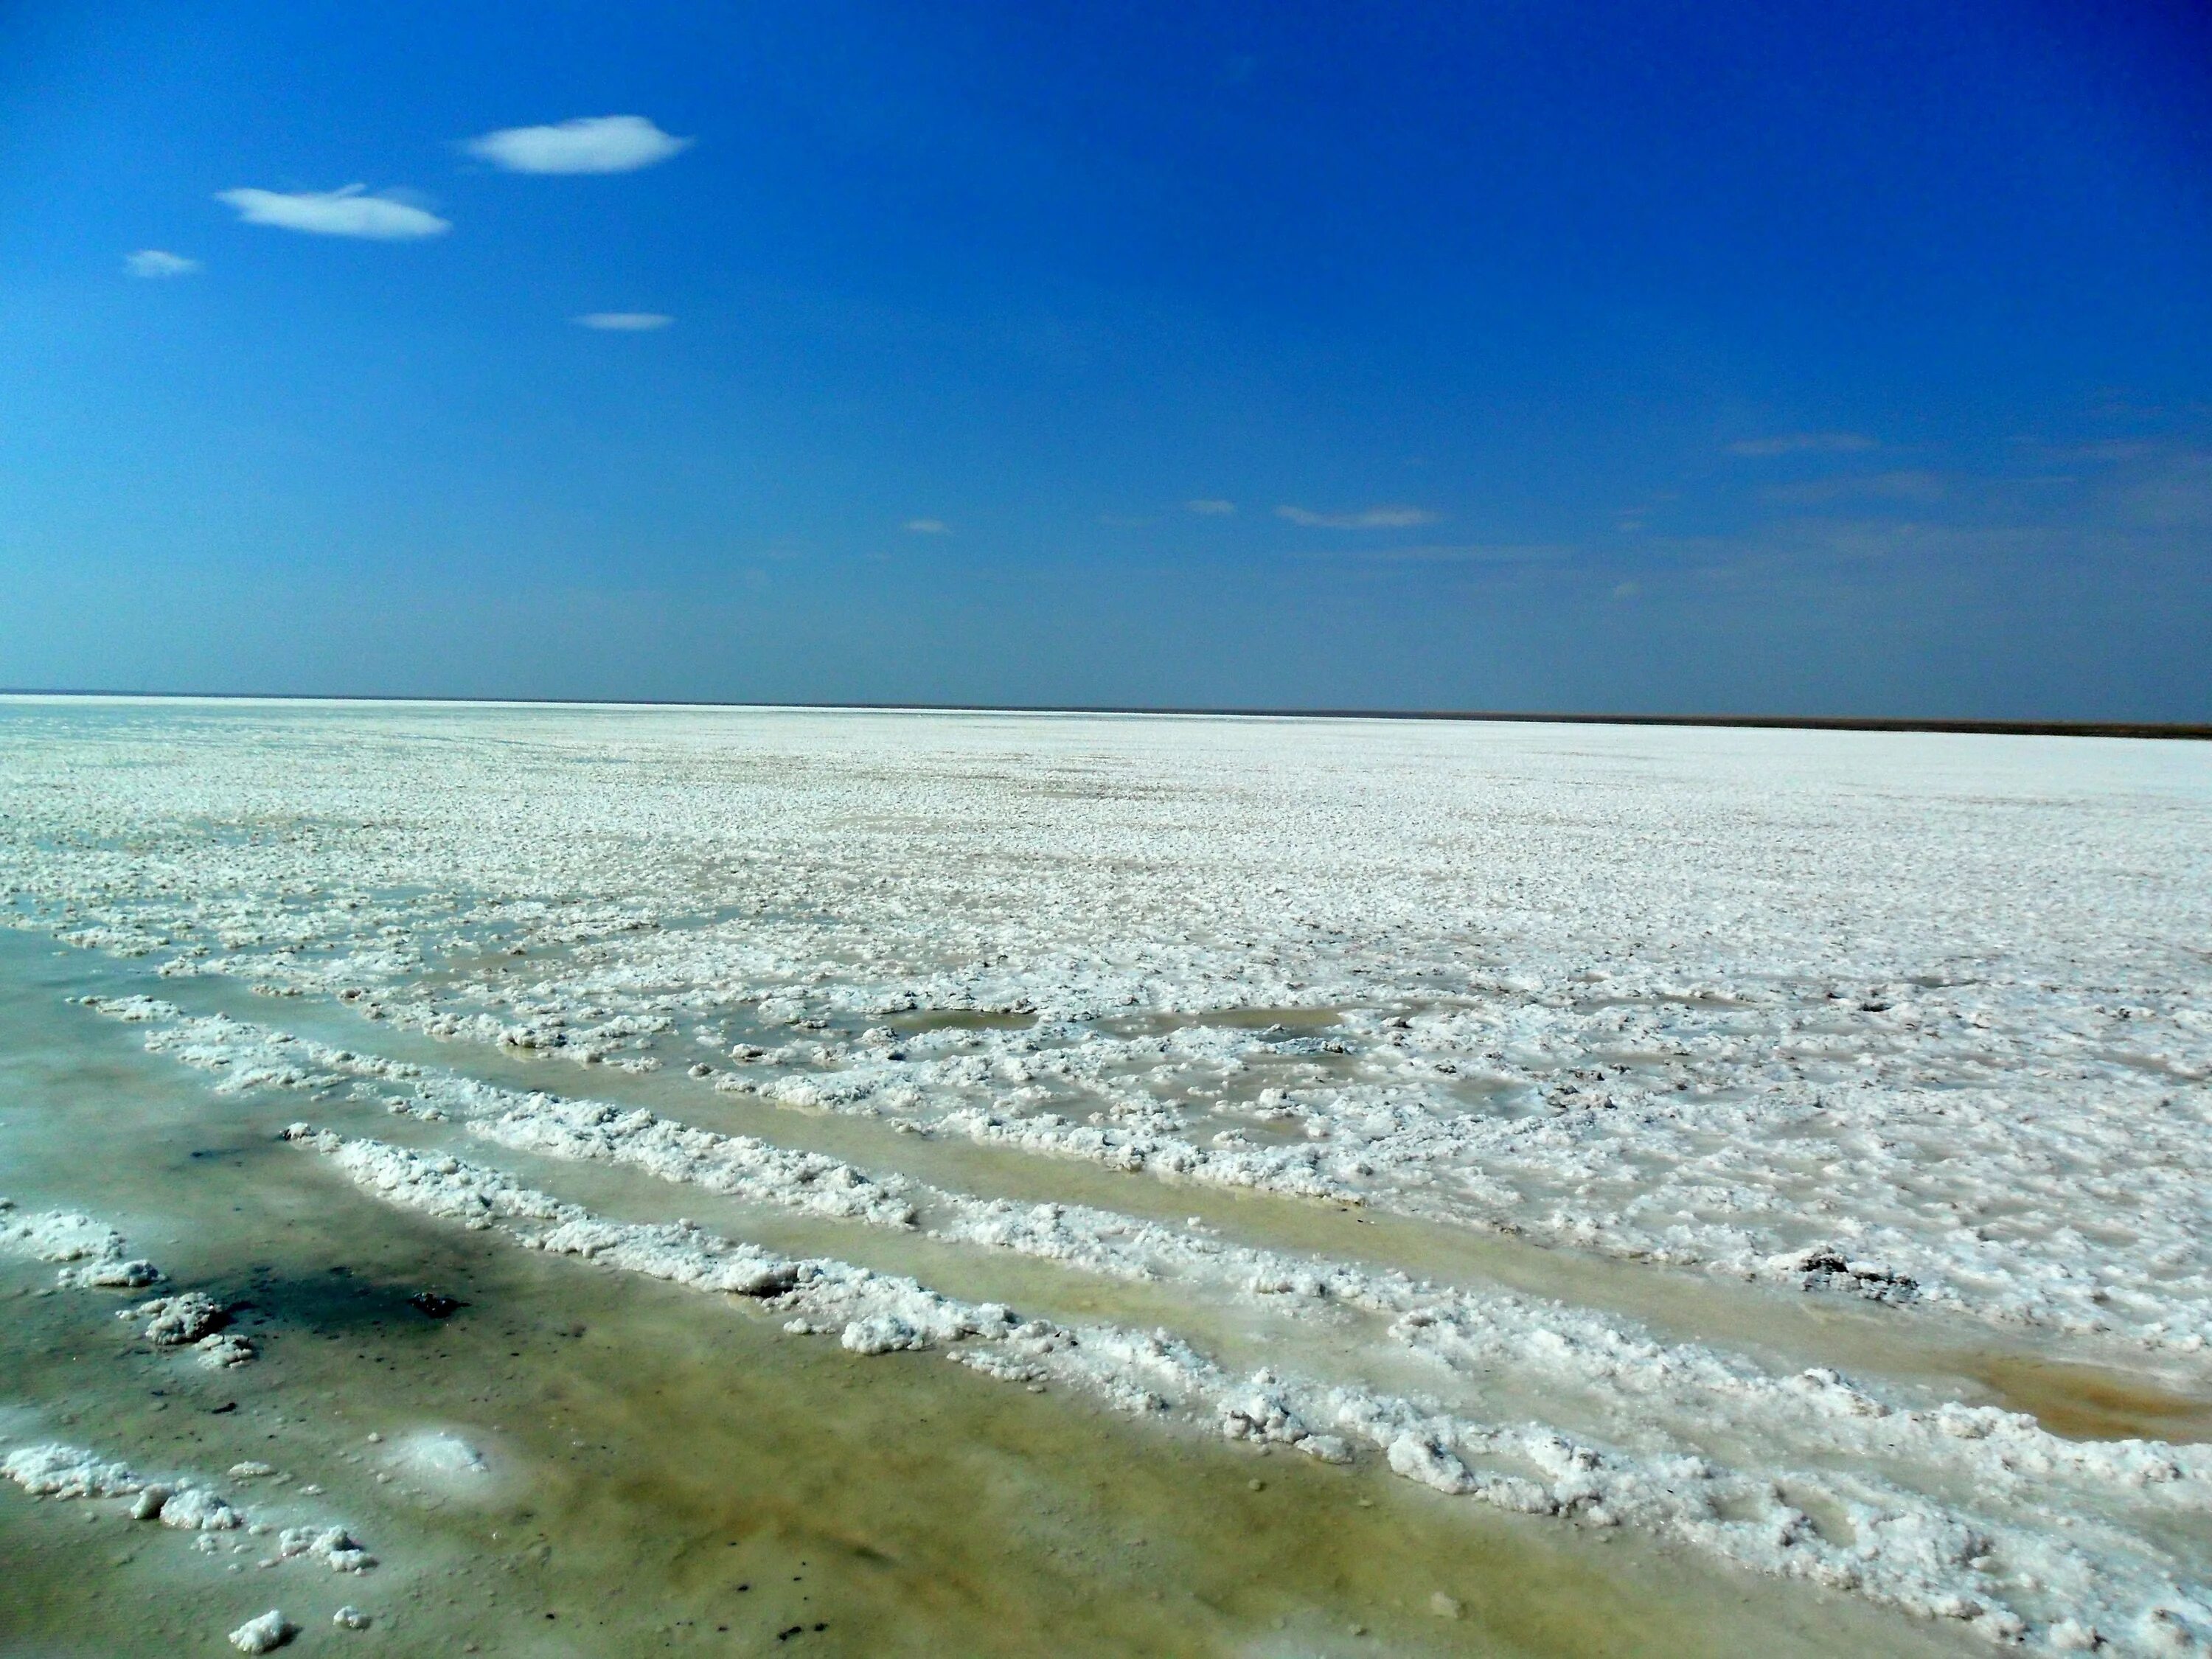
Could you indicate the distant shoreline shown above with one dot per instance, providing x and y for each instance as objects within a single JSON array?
[{"x": 2173, "y": 730}]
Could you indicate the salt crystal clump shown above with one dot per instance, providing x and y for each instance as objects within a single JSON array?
[
  {"x": 134, "y": 1008},
  {"x": 175, "y": 1322},
  {"x": 882, "y": 1333},
  {"x": 445, "y": 1460},
  {"x": 71, "y": 1236},
  {"x": 334, "y": 1546},
  {"x": 54, "y": 1470},
  {"x": 196, "y": 1510},
  {"x": 133, "y": 1274},
  {"x": 224, "y": 1350},
  {"x": 263, "y": 1635}
]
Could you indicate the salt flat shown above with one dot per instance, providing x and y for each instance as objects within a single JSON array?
[{"x": 1784, "y": 1152}]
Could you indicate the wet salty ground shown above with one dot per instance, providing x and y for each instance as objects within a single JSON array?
[
  {"x": 1690, "y": 1192},
  {"x": 662, "y": 1475}
]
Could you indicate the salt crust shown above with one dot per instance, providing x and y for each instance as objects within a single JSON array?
[
  {"x": 1900, "y": 1018},
  {"x": 54, "y": 1470},
  {"x": 70, "y": 1236},
  {"x": 1849, "y": 1532},
  {"x": 1760, "y": 1003},
  {"x": 1817, "y": 1412},
  {"x": 1682, "y": 1392},
  {"x": 190, "y": 1319}
]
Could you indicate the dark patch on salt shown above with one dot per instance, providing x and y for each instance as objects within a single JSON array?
[{"x": 435, "y": 1304}]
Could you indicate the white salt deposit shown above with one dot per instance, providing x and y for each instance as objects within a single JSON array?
[
  {"x": 263, "y": 1635},
  {"x": 1918, "y": 1025},
  {"x": 176, "y": 1321},
  {"x": 224, "y": 1350},
  {"x": 1605, "y": 1361},
  {"x": 51, "y": 1469},
  {"x": 103, "y": 1256},
  {"x": 1887, "y": 1543},
  {"x": 440, "y": 1461}
]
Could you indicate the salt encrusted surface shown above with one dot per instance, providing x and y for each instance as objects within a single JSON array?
[
  {"x": 1743, "y": 1000},
  {"x": 1919, "y": 1021},
  {"x": 51, "y": 1469},
  {"x": 99, "y": 1257},
  {"x": 1846, "y": 1530},
  {"x": 1604, "y": 1369}
]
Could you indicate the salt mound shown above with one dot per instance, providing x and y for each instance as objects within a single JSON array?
[
  {"x": 176, "y": 1321},
  {"x": 224, "y": 1350},
  {"x": 70, "y": 1236},
  {"x": 57, "y": 1471},
  {"x": 263, "y": 1635}
]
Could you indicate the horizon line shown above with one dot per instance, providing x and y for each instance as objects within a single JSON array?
[{"x": 2168, "y": 730}]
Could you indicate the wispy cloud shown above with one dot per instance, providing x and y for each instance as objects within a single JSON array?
[
  {"x": 593, "y": 143},
  {"x": 928, "y": 527},
  {"x": 1902, "y": 486},
  {"x": 1211, "y": 506},
  {"x": 345, "y": 212},
  {"x": 625, "y": 322},
  {"x": 156, "y": 262},
  {"x": 1448, "y": 553},
  {"x": 1374, "y": 517},
  {"x": 2175, "y": 494},
  {"x": 1804, "y": 443}
]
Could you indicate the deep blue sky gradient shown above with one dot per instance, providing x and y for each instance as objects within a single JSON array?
[{"x": 1044, "y": 275}]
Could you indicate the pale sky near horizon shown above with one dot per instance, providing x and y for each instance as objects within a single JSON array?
[{"x": 1760, "y": 358}]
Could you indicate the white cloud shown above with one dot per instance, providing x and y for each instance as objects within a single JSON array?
[
  {"x": 155, "y": 262},
  {"x": 595, "y": 144},
  {"x": 625, "y": 322},
  {"x": 1901, "y": 486},
  {"x": 929, "y": 526},
  {"x": 1210, "y": 507},
  {"x": 1375, "y": 518},
  {"x": 1456, "y": 553},
  {"x": 1804, "y": 443},
  {"x": 345, "y": 212}
]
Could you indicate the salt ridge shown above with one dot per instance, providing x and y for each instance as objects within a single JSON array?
[{"x": 1901, "y": 1550}]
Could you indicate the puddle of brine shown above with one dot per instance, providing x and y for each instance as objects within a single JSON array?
[
  {"x": 2087, "y": 1402},
  {"x": 957, "y": 1019}
]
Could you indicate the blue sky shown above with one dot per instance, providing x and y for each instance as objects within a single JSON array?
[{"x": 1762, "y": 357}]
